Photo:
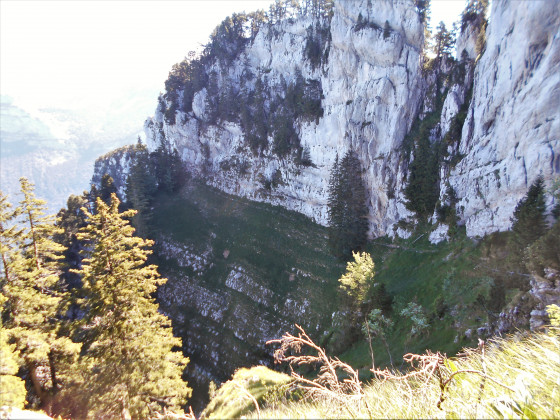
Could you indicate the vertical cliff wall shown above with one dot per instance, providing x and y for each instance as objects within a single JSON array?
[
  {"x": 371, "y": 90},
  {"x": 371, "y": 87},
  {"x": 512, "y": 131}
]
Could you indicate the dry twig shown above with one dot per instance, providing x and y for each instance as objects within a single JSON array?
[{"x": 327, "y": 383}]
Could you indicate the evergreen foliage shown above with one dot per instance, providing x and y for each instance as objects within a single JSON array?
[
  {"x": 475, "y": 10},
  {"x": 165, "y": 165},
  {"x": 544, "y": 253},
  {"x": 129, "y": 364},
  {"x": 141, "y": 186},
  {"x": 107, "y": 188},
  {"x": 12, "y": 388},
  {"x": 317, "y": 44},
  {"x": 443, "y": 42},
  {"x": 423, "y": 9},
  {"x": 529, "y": 220},
  {"x": 386, "y": 30},
  {"x": 347, "y": 207},
  {"x": 34, "y": 296},
  {"x": 422, "y": 189},
  {"x": 70, "y": 220}
]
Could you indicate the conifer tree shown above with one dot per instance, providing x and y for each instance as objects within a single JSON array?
[
  {"x": 422, "y": 189},
  {"x": 70, "y": 220},
  {"x": 443, "y": 42},
  {"x": 129, "y": 366},
  {"x": 34, "y": 297},
  {"x": 9, "y": 235},
  {"x": 529, "y": 222},
  {"x": 141, "y": 185},
  {"x": 12, "y": 388},
  {"x": 108, "y": 187},
  {"x": 335, "y": 207},
  {"x": 347, "y": 207}
]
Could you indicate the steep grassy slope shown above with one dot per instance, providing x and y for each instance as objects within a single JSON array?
[
  {"x": 512, "y": 378},
  {"x": 443, "y": 280},
  {"x": 240, "y": 273}
]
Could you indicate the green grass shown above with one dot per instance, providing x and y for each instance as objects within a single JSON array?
[
  {"x": 286, "y": 254},
  {"x": 237, "y": 396},
  {"x": 415, "y": 270},
  {"x": 521, "y": 382},
  {"x": 279, "y": 250}
]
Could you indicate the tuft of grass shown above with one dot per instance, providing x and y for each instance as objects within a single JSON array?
[
  {"x": 518, "y": 377},
  {"x": 237, "y": 396}
]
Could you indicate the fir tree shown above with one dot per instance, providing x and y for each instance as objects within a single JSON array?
[
  {"x": 128, "y": 365},
  {"x": 347, "y": 207},
  {"x": 9, "y": 235},
  {"x": 141, "y": 186},
  {"x": 70, "y": 220},
  {"x": 35, "y": 298},
  {"x": 529, "y": 221},
  {"x": 12, "y": 388},
  {"x": 108, "y": 187},
  {"x": 335, "y": 208},
  {"x": 422, "y": 189},
  {"x": 444, "y": 41}
]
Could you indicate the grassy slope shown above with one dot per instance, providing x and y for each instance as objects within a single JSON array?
[
  {"x": 279, "y": 250},
  {"x": 415, "y": 270},
  {"x": 522, "y": 382},
  {"x": 270, "y": 242}
]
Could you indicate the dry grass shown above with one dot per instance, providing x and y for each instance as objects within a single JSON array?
[{"x": 516, "y": 377}]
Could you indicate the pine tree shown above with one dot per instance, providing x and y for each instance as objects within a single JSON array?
[
  {"x": 335, "y": 208},
  {"x": 129, "y": 366},
  {"x": 108, "y": 187},
  {"x": 12, "y": 388},
  {"x": 9, "y": 235},
  {"x": 443, "y": 42},
  {"x": 34, "y": 297},
  {"x": 70, "y": 220},
  {"x": 529, "y": 221},
  {"x": 347, "y": 207},
  {"x": 141, "y": 186},
  {"x": 422, "y": 189}
]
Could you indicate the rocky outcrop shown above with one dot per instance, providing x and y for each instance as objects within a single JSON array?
[
  {"x": 116, "y": 164},
  {"x": 546, "y": 291},
  {"x": 512, "y": 131},
  {"x": 371, "y": 86}
]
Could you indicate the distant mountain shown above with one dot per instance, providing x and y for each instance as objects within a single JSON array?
[{"x": 56, "y": 148}]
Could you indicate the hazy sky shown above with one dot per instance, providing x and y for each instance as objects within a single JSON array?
[{"x": 78, "y": 53}]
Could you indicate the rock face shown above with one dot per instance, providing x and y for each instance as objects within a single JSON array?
[
  {"x": 512, "y": 131},
  {"x": 373, "y": 87}
]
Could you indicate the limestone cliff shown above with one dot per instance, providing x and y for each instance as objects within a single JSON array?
[
  {"x": 371, "y": 87},
  {"x": 371, "y": 90},
  {"x": 512, "y": 131}
]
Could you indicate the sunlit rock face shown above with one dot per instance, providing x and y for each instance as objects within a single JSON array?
[
  {"x": 512, "y": 131},
  {"x": 373, "y": 88}
]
